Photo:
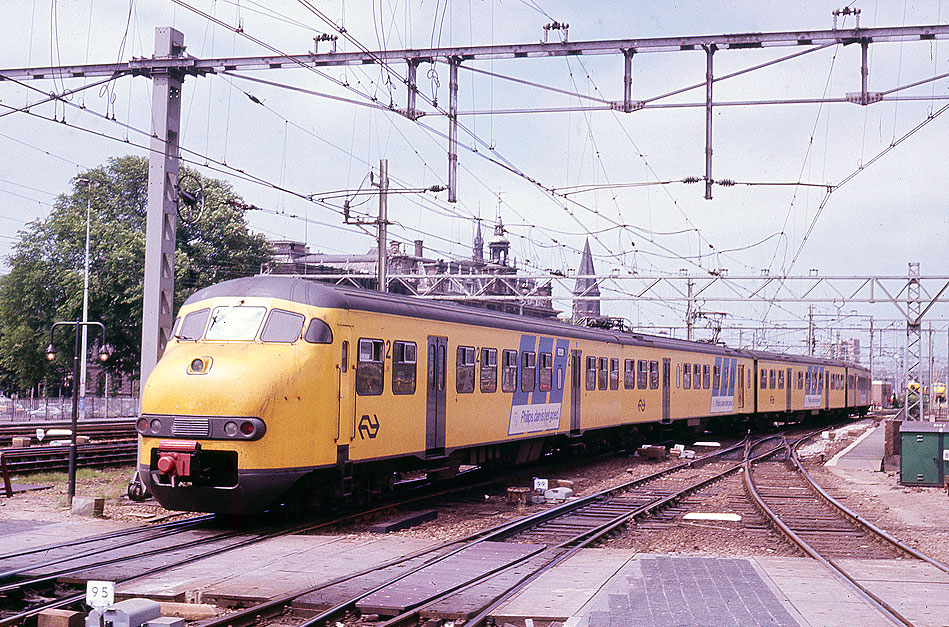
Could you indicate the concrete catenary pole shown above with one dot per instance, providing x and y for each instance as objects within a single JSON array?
[{"x": 159, "y": 286}]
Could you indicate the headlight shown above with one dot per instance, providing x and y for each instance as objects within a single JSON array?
[
  {"x": 230, "y": 429},
  {"x": 155, "y": 425}
]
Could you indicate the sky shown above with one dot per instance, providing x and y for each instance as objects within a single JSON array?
[{"x": 891, "y": 212}]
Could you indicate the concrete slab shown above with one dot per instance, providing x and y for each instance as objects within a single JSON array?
[
  {"x": 864, "y": 453},
  {"x": 278, "y": 566},
  {"x": 566, "y": 589},
  {"x": 30, "y": 534}
]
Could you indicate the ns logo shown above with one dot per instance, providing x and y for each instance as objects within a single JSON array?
[{"x": 368, "y": 427}]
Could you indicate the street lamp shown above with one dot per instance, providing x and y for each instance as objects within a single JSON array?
[{"x": 51, "y": 355}]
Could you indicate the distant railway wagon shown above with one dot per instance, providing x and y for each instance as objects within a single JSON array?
[{"x": 278, "y": 388}]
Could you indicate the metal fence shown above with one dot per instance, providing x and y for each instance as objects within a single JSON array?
[{"x": 60, "y": 408}]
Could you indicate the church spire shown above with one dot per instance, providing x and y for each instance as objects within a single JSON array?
[{"x": 586, "y": 286}]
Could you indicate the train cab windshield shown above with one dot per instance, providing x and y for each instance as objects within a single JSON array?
[
  {"x": 241, "y": 323},
  {"x": 235, "y": 323}
]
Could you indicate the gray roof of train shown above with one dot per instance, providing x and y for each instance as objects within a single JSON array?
[{"x": 317, "y": 294}]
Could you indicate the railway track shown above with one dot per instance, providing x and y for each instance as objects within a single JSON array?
[
  {"x": 97, "y": 429},
  {"x": 821, "y": 527},
  {"x": 55, "y": 458},
  {"x": 468, "y": 578}
]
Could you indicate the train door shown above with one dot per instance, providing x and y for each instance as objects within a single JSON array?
[
  {"x": 576, "y": 374},
  {"x": 666, "y": 390},
  {"x": 435, "y": 394},
  {"x": 345, "y": 389},
  {"x": 787, "y": 387},
  {"x": 826, "y": 389},
  {"x": 740, "y": 387}
]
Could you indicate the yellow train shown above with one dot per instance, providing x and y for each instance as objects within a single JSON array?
[{"x": 278, "y": 388}]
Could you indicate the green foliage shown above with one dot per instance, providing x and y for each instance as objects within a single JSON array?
[{"x": 46, "y": 269}]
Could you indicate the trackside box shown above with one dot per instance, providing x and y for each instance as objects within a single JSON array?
[{"x": 925, "y": 453}]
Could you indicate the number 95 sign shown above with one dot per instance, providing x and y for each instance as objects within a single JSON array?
[{"x": 100, "y": 594}]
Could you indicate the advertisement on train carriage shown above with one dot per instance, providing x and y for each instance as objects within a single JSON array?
[
  {"x": 723, "y": 391},
  {"x": 540, "y": 410},
  {"x": 813, "y": 387}
]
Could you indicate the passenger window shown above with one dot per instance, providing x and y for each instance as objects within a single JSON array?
[
  {"x": 528, "y": 368},
  {"x": 780, "y": 379},
  {"x": 716, "y": 377},
  {"x": 772, "y": 379},
  {"x": 370, "y": 372},
  {"x": 678, "y": 375},
  {"x": 696, "y": 377},
  {"x": 800, "y": 380},
  {"x": 629, "y": 374},
  {"x": 642, "y": 378},
  {"x": 465, "y": 370},
  {"x": 403, "y": 367},
  {"x": 602, "y": 374},
  {"x": 282, "y": 326},
  {"x": 318, "y": 332},
  {"x": 591, "y": 373},
  {"x": 687, "y": 376},
  {"x": 614, "y": 374},
  {"x": 489, "y": 370},
  {"x": 508, "y": 371},
  {"x": 546, "y": 372},
  {"x": 706, "y": 379},
  {"x": 654, "y": 375},
  {"x": 192, "y": 328}
]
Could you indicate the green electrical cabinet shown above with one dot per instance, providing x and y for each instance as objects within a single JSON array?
[{"x": 924, "y": 455}]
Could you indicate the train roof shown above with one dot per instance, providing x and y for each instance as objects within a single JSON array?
[{"x": 316, "y": 294}]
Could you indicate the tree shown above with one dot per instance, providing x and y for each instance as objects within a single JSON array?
[{"x": 46, "y": 267}]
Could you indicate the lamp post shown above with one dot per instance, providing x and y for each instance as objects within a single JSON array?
[
  {"x": 88, "y": 183},
  {"x": 51, "y": 355}
]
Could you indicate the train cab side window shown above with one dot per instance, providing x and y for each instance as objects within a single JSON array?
[
  {"x": 601, "y": 374},
  {"x": 370, "y": 371},
  {"x": 404, "y": 360},
  {"x": 508, "y": 371},
  {"x": 192, "y": 327},
  {"x": 528, "y": 370},
  {"x": 706, "y": 378},
  {"x": 318, "y": 332},
  {"x": 716, "y": 377},
  {"x": 614, "y": 374},
  {"x": 282, "y": 326},
  {"x": 780, "y": 379},
  {"x": 642, "y": 378},
  {"x": 654, "y": 375},
  {"x": 687, "y": 376},
  {"x": 591, "y": 373},
  {"x": 764, "y": 379},
  {"x": 546, "y": 374},
  {"x": 465, "y": 370},
  {"x": 489, "y": 370}
]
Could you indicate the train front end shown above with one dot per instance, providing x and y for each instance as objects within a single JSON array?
[{"x": 234, "y": 413}]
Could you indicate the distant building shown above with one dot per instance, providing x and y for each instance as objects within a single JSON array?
[
  {"x": 845, "y": 350},
  {"x": 472, "y": 282}
]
